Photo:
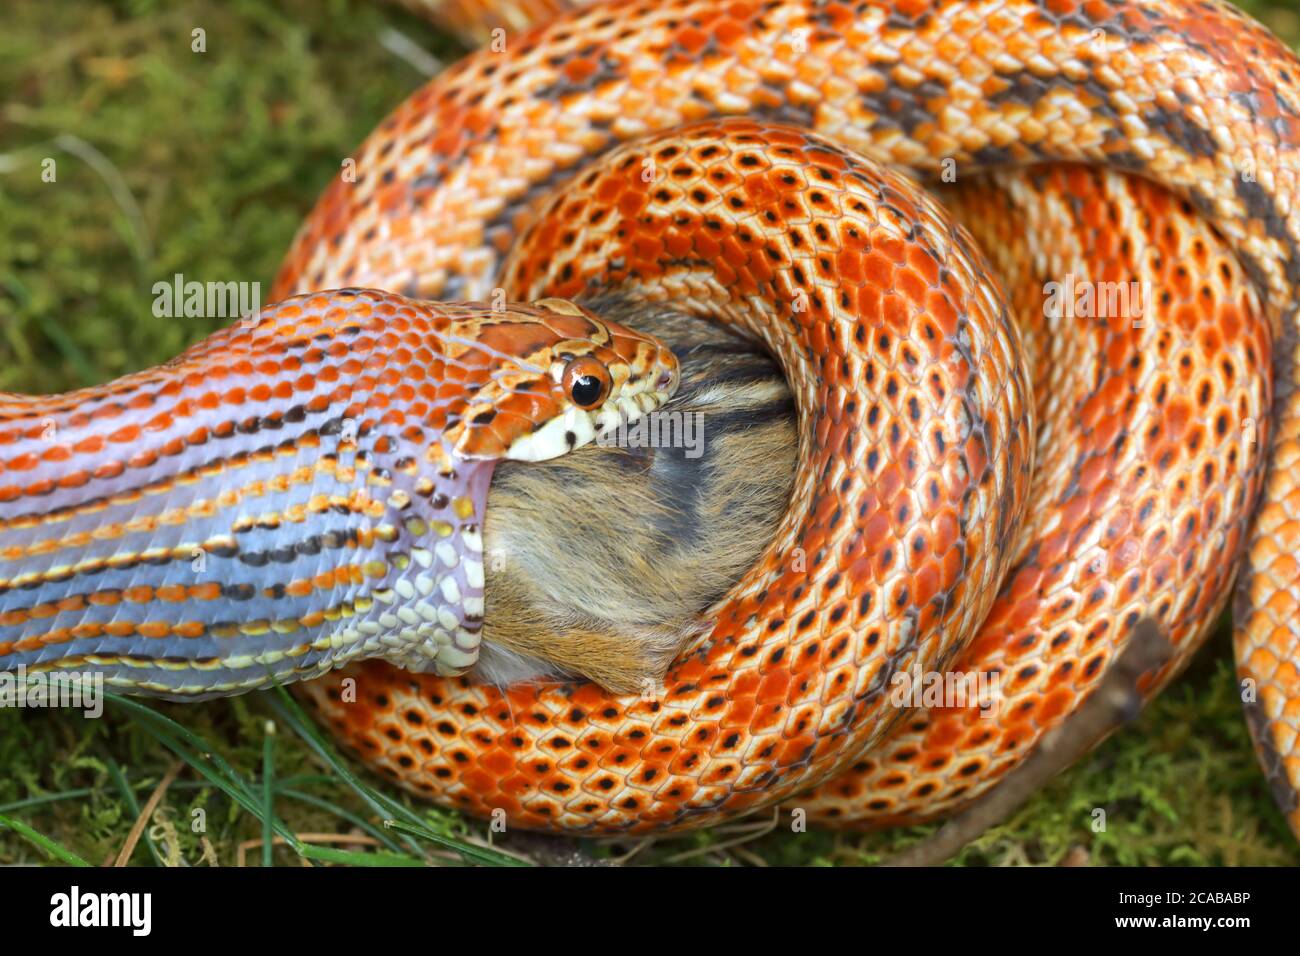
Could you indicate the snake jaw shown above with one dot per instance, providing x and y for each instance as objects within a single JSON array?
[
  {"x": 525, "y": 411},
  {"x": 497, "y": 429},
  {"x": 643, "y": 376},
  {"x": 574, "y": 427}
]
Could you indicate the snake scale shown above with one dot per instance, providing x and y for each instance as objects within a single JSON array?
[
  {"x": 374, "y": 423},
  {"x": 985, "y": 485}
]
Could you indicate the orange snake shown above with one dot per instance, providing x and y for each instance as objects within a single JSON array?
[{"x": 723, "y": 157}]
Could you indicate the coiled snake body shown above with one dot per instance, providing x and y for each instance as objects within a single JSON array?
[{"x": 723, "y": 156}]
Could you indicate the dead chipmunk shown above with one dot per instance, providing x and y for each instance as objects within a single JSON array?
[{"x": 601, "y": 564}]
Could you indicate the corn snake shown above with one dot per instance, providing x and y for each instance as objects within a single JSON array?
[
  {"x": 369, "y": 420},
  {"x": 729, "y": 79}
]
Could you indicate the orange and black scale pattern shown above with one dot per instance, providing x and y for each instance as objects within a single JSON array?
[
  {"x": 1151, "y": 455},
  {"x": 914, "y": 408},
  {"x": 724, "y": 156},
  {"x": 302, "y": 489},
  {"x": 1175, "y": 420}
]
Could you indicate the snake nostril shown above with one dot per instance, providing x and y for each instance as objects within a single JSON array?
[{"x": 665, "y": 380}]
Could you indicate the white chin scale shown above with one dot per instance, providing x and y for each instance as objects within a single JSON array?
[{"x": 577, "y": 427}]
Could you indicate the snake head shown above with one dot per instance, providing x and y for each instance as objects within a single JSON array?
[{"x": 564, "y": 376}]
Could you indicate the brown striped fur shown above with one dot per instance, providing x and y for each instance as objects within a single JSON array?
[{"x": 602, "y": 563}]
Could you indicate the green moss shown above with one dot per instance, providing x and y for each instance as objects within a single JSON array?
[{"x": 222, "y": 153}]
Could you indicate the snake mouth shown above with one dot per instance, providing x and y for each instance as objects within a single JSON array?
[
  {"x": 576, "y": 427},
  {"x": 628, "y": 408}
]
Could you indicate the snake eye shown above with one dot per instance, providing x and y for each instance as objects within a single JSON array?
[{"x": 586, "y": 381}]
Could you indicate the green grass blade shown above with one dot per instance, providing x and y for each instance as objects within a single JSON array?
[
  {"x": 288, "y": 711},
  {"x": 479, "y": 854},
  {"x": 201, "y": 757},
  {"x": 321, "y": 803},
  {"x": 268, "y": 793},
  {"x": 46, "y": 798},
  {"x": 60, "y": 853},
  {"x": 327, "y": 854}
]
